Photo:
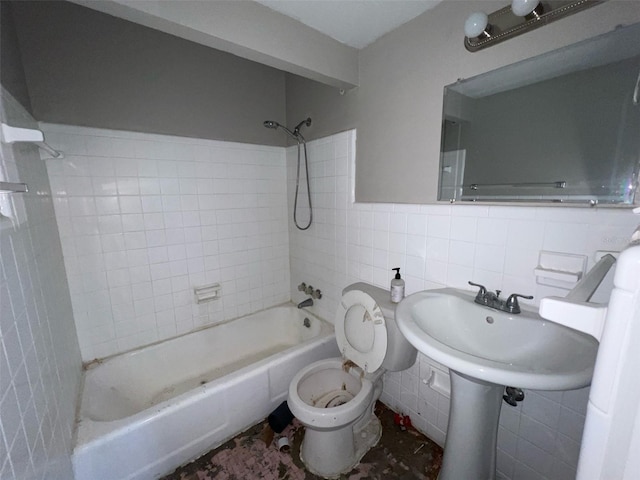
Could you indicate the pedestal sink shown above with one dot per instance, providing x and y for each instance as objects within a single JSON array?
[{"x": 486, "y": 350}]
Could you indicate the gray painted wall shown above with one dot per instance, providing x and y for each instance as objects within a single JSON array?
[
  {"x": 11, "y": 70},
  {"x": 397, "y": 108},
  {"x": 91, "y": 69},
  {"x": 247, "y": 29}
]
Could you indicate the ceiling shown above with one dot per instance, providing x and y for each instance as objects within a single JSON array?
[{"x": 355, "y": 23}]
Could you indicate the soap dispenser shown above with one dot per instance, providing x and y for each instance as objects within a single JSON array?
[{"x": 397, "y": 287}]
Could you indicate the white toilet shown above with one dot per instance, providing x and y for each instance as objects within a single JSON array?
[{"x": 335, "y": 398}]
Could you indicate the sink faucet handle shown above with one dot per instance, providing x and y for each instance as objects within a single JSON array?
[
  {"x": 512, "y": 302},
  {"x": 483, "y": 290},
  {"x": 498, "y": 293}
]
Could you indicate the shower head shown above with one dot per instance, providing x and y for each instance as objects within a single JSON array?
[
  {"x": 271, "y": 124},
  {"x": 276, "y": 125}
]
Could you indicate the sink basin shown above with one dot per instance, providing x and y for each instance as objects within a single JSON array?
[{"x": 522, "y": 350}]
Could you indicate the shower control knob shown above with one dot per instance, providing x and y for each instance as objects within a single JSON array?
[
  {"x": 309, "y": 290},
  {"x": 302, "y": 287}
]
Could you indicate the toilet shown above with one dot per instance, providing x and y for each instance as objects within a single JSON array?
[{"x": 335, "y": 398}]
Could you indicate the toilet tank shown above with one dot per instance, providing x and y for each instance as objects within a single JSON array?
[{"x": 400, "y": 353}]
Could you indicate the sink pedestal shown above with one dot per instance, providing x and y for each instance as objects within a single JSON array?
[{"x": 470, "y": 448}]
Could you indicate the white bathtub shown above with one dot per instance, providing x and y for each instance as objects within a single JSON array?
[{"x": 146, "y": 412}]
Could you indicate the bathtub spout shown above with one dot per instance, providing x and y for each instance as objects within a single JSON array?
[{"x": 306, "y": 303}]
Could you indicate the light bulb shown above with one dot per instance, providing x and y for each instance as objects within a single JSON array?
[
  {"x": 476, "y": 24},
  {"x": 522, "y": 8}
]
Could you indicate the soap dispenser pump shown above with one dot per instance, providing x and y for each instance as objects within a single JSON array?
[{"x": 397, "y": 287}]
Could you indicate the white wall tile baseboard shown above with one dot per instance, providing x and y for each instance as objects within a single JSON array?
[
  {"x": 444, "y": 245},
  {"x": 144, "y": 218}
]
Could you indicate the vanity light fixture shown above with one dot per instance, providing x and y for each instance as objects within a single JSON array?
[{"x": 482, "y": 30}]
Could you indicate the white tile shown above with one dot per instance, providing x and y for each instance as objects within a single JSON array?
[
  {"x": 149, "y": 186},
  {"x": 492, "y": 231},
  {"x": 414, "y": 266},
  {"x": 571, "y": 424},
  {"x": 381, "y": 221},
  {"x": 565, "y": 237},
  {"x": 459, "y": 276},
  {"x": 536, "y": 459},
  {"x": 436, "y": 271},
  {"x": 398, "y": 223},
  {"x": 397, "y": 243},
  {"x": 130, "y": 205},
  {"x": 462, "y": 253},
  {"x": 463, "y": 228},
  {"x": 437, "y": 249},
  {"x": 489, "y": 257},
  {"x": 576, "y": 400},
  {"x": 107, "y": 205},
  {"x": 567, "y": 450},
  {"x": 127, "y": 186},
  {"x": 153, "y": 203},
  {"x": 438, "y": 226},
  {"x": 417, "y": 224},
  {"x": 539, "y": 434},
  {"x": 526, "y": 234},
  {"x": 417, "y": 246},
  {"x": 542, "y": 409}
]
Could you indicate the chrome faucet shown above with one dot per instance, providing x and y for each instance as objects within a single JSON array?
[
  {"x": 306, "y": 303},
  {"x": 493, "y": 300}
]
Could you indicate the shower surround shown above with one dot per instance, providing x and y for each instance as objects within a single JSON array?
[{"x": 144, "y": 218}]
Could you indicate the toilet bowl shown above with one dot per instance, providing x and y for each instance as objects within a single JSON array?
[
  {"x": 335, "y": 398},
  {"x": 329, "y": 401}
]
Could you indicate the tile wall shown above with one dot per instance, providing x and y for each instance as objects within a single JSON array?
[
  {"x": 40, "y": 366},
  {"x": 145, "y": 218},
  {"x": 443, "y": 245}
]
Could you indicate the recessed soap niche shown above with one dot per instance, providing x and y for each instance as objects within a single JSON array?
[{"x": 560, "y": 270}]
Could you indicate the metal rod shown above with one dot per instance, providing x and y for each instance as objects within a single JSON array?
[
  {"x": 558, "y": 184},
  {"x": 10, "y": 187}
]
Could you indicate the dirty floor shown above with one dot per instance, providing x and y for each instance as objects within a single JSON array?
[{"x": 248, "y": 457}]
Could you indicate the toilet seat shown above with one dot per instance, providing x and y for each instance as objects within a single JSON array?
[{"x": 361, "y": 332}]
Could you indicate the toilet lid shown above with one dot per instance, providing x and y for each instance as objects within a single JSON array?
[{"x": 361, "y": 331}]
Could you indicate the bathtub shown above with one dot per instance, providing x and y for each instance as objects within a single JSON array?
[{"x": 146, "y": 412}]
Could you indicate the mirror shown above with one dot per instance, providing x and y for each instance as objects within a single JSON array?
[{"x": 563, "y": 127}]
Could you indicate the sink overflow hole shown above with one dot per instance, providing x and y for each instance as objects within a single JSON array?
[{"x": 489, "y": 319}]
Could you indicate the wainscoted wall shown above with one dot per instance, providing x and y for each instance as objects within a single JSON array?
[
  {"x": 442, "y": 245},
  {"x": 40, "y": 366},
  {"x": 145, "y": 218}
]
